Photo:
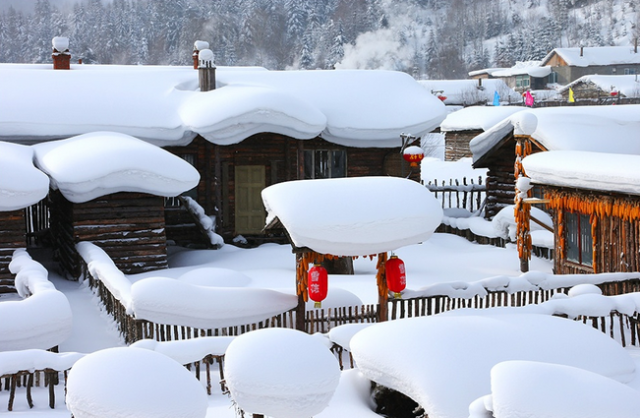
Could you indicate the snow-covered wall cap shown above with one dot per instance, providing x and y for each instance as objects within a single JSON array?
[
  {"x": 92, "y": 165},
  {"x": 60, "y": 43},
  {"x": 205, "y": 57},
  {"x": 354, "y": 216},
  {"x": 585, "y": 170},
  {"x": 200, "y": 45},
  {"x": 524, "y": 123},
  {"x": 21, "y": 183}
]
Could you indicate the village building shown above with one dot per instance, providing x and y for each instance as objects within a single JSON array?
[
  {"x": 614, "y": 129},
  {"x": 456, "y": 94},
  {"x": 595, "y": 199},
  {"x": 602, "y": 89},
  {"x": 242, "y": 128},
  {"x": 463, "y": 125},
  {"x": 563, "y": 66}
]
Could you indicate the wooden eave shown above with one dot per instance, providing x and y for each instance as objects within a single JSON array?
[{"x": 483, "y": 162}]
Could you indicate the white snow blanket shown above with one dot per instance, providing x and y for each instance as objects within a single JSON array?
[
  {"x": 354, "y": 216},
  {"x": 163, "y": 105},
  {"x": 92, "y": 165}
]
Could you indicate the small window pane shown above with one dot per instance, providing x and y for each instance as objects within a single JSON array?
[
  {"x": 572, "y": 241},
  {"x": 308, "y": 164},
  {"x": 322, "y": 165},
  {"x": 586, "y": 240}
]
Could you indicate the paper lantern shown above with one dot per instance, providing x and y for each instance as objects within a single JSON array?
[
  {"x": 413, "y": 154},
  {"x": 396, "y": 276},
  {"x": 318, "y": 284}
]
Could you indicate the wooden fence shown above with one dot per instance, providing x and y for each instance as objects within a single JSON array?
[
  {"x": 29, "y": 379},
  {"x": 467, "y": 195}
]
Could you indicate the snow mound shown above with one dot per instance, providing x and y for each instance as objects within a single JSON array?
[
  {"x": 281, "y": 373},
  {"x": 446, "y": 350},
  {"x": 533, "y": 389},
  {"x": 354, "y": 216},
  {"x": 129, "y": 382}
]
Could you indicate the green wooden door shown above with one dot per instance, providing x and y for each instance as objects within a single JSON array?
[{"x": 250, "y": 212}]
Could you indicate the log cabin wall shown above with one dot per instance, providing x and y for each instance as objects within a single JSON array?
[
  {"x": 12, "y": 236},
  {"x": 615, "y": 229},
  {"x": 128, "y": 226},
  {"x": 456, "y": 144}
]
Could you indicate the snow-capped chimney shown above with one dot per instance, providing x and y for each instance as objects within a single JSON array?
[
  {"x": 206, "y": 70},
  {"x": 197, "y": 47},
  {"x": 61, "y": 56},
  {"x": 581, "y": 50}
]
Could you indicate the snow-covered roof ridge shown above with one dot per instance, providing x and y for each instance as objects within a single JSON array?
[
  {"x": 532, "y": 68},
  {"x": 585, "y": 170},
  {"x": 613, "y": 129},
  {"x": 163, "y": 105},
  {"x": 21, "y": 183},
  {"x": 96, "y": 164},
  {"x": 353, "y": 216},
  {"x": 597, "y": 55}
]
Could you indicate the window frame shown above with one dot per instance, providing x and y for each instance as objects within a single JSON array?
[
  {"x": 312, "y": 157},
  {"x": 578, "y": 239}
]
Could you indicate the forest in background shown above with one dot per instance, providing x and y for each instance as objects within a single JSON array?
[{"x": 430, "y": 39}]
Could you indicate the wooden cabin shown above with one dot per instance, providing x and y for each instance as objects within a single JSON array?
[
  {"x": 554, "y": 128},
  {"x": 596, "y": 211},
  {"x": 233, "y": 177}
]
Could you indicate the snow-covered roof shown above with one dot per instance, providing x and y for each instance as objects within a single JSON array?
[
  {"x": 354, "y": 216},
  {"x": 532, "y": 68},
  {"x": 628, "y": 85},
  {"x": 585, "y": 170},
  {"x": 100, "y": 163},
  {"x": 613, "y": 129},
  {"x": 477, "y": 117},
  {"x": 469, "y": 92},
  {"x": 163, "y": 105},
  {"x": 597, "y": 55},
  {"x": 21, "y": 183}
]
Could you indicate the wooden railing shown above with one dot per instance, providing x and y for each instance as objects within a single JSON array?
[
  {"x": 29, "y": 379},
  {"x": 467, "y": 194}
]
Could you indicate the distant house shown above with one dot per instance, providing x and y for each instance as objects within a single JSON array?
[
  {"x": 461, "y": 126},
  {"x": 595, "y": 198},
  {"x": 243, "y": 129},
  {"x": 603, "y": 88},
  {"x": 569, "y": 64},
  {"x": 565, "y": 65},
  {"x": 613, "y": 129}
]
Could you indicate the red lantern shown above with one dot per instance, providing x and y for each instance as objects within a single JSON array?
[
  {"x": 413, "y": 154},
  {"x": 396, "y": 276},
  {"x": 318, "y": 284}
]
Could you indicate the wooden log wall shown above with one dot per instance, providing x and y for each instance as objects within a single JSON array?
[
  {"x": 615, "y": 236},
  {"x": 129, "y": 227},
  {"x": 12, "y": 236},
  {"x": 456, "y": 144}
]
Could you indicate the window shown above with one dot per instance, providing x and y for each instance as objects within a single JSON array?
[
  {"x": 579, "y": 242},
  {"x": 629, "y": 71},
  {"x": 325, "y": 164},
  {"x": 553, "y": 78},
  {"x": 522, "y": 81}
]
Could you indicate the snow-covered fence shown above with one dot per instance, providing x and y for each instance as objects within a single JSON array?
[
  {"x": 33, "y": 368},
  {"x": 467, "y": 195}
]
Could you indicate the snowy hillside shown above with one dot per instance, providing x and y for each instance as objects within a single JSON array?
[{"x": 430, "y": 39}]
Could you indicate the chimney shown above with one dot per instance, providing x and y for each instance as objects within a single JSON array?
[
  {"x": 197, "y": 47},
  {"x": 581, "y": 50},
  {"x": 206, "y": 70},
  {"x": 635, "y": 45},
  {"x": 61, "y": 56}
]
